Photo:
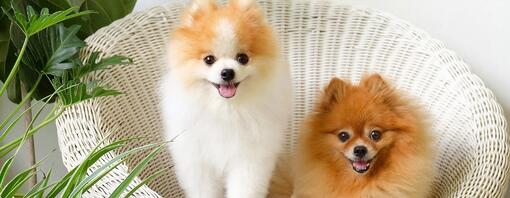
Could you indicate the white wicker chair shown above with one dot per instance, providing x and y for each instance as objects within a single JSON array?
[{"x": 320, "y": 40}]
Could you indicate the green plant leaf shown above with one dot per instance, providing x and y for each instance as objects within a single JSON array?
[
  {"x": 12, "y": 186},
  {"x": 44, "y": 21},
  {"x": 43, "y": 89},
  {"x": 4, "y": 4},
  {"x": 29, "y": 21},
  {"x": 56, "y": 4},
  {"x": 77, "y": 181},
  {"x": 59, "y": 46},
  {"x": 53, "y": 5},
  {"x": 46, "y": 51},
  {"x": 39, "y": 193},
  {"x": 120, "y": 156},
  {"x": 93, "y": 64},
  {"x": 78, "y": 92},
  {"x": 5, "y": 169},
  {"x": 92, "y": 158},
  {"x": 107, "y": 12},
  {"x": 134, "y": 173},
  {"x": 51, "y": 51},
  {"x": 65, "y": 44},
  {"x": 92, "y": 179},
  {"x": 81, "y": 171},
  {"x": 38, "y": 189},
  {"x": 13, "y": 144},
  {"x": 145, "y": 181},
  {"x": 60, "y": 184},
  {"x": 35, "y": 22}
]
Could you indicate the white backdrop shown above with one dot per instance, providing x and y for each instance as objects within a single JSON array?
[{"x": 478, "y": 30}]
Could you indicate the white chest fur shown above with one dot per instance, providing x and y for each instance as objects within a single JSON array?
[{"x": 222, "y": 139}]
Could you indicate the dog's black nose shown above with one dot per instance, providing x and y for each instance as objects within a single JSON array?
[
  {"x": 360, "y": 151},
  {"x": 228, "y": 74}
]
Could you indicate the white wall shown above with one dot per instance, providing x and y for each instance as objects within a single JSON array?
[{"x": 479, "y": 31}]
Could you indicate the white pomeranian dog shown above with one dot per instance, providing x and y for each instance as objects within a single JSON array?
[{"x": 226, "y": 100}]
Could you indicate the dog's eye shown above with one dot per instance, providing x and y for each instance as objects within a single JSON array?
[
  {"x": 209, "y": 60},
  {"x": 343, "y": 136},
  {"x": 242, "y": 58},
  {"x": 375, "y": 135}
]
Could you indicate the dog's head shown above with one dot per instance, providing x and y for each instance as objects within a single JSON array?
[
  {"x": 224, "y": 50},
  {"x": 356, "y": 125}
]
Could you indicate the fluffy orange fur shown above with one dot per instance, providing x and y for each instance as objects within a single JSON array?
[{"x": 403, "y": 165}]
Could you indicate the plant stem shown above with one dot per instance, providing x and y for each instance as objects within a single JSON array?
[
  {"x": 31, "y": 144},
  {"x": 14, "y": 70}
]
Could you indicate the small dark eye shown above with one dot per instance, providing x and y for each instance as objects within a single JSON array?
[
  {"x": 209, "y": 60},
  {"x": 375, "y": 135},
  {"x": 242, "y": 58},
  {"x": 343, "y": 136}
]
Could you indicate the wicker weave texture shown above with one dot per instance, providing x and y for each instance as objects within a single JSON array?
[{"x": 320, "y": 40}]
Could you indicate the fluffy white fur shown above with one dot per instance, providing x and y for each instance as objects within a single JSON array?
[{"x": 225, "y": 147}]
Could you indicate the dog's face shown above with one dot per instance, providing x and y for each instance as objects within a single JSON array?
[
  {"x": 357, "y": 124},
  {"x": 223, "y": 50}
]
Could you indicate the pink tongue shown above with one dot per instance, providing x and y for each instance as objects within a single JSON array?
[
  {"x": 228, "y": 90},
  {"x": 360, "y": 165}
]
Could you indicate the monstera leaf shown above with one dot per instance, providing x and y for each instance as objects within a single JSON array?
[
  {"x": 49, "y": 52},
  {"x": 107, "y": 11}
]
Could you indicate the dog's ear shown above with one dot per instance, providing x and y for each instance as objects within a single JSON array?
[
  {"x": 243, "y": 4},
  {"x": 375, "y": 84},
  {"x": 379, "y": 87},
  {"x": 197, "y": 9},
  {"x": 332, "y": 93}
]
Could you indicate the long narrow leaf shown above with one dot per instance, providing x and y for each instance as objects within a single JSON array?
[
  {"x": 40, "y": 192},
  {"x": 57, "y": 188},
  {"x": 12, "y": 186},
  {"x": 92, "y": 179},
  {"x": 144, "y": 181},
  {"x": 134, "y": 173},
  {"x": 81, "y": 172},
  {"x": 87, "y": 182},
  {"x": 5, "y": 169},
  {"x": 39, "y": 188},
  {"x": 5, "y": 149},
  {"x": 18, "y": 107}
]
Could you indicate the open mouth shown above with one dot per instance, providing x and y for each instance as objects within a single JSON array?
[
  {"x": 227, "y": 90},
  {"x": 360, "y": 165}
]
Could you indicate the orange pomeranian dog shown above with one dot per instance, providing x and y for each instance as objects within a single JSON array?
[{"x": 363, "y": 141}]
